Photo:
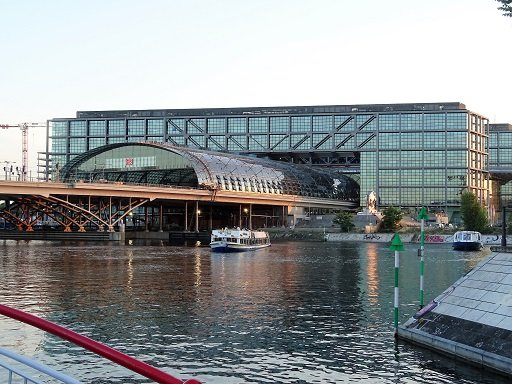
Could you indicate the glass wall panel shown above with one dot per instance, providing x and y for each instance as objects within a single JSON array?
[
  {"x": 59, "y": 145},
  {"x": 456, "y": 121},
  {"x": 136, "y": 127},
  {"x": 389, "y": 140},
  {"x": 434, "y": 121},
  {"x": 362, "y": 139},
  {"x": 58, "y": 161},
  {"x": 322, "y": 141},
  {"x": 77, "y": 145},
  {"x": 135, "y": 139},
  {"x": 258, "y": 142},
  {"x": 216, "y": 126},
  {"x": 77, "y": 128},
  {"x": 300, "y": 123},
  {"x": 457, "y": 139},
  {"x": 389, "y": 159},
  {"x": 279, "y": 142},
  {"x": 217, "y": 142},
  {"x": 113, "y": 140},
  {"x": 95, "y": 142},
  {"x": 344, "y": 123},
  {"x": 237, "y": 143},
  {"x": 411, "y": 121},
  {"x": 389, "y": 122},
  {"x": 116, "y": 128},
  {"x": 279, "y": 124},
  {"x": 196, "y": 141},
  {"x": 237, "y": 125},
  {"x": 176, "y": 126},
  {"x": 176, "y": 140},
  {"x": 156, "y": 127},
  {"x": 195, "y": 126},
  {"x": 411, "y": 177},
  {"x": 59, "y": 128},
  {"x": 322, "y": 123},
  {"x": 258, "y": 125},
  {"x": 97, "y": 128},
  {"x": 435, "y": 140}
]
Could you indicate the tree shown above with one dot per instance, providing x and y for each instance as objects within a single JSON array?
[
  {"x": 472, "y": 213},
  {"x": 392, "y": 217},
  {"x": 506, "y": 7},
  {"x": 344, "y": 220}
]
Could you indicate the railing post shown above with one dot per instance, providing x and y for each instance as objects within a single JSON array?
[{"x": 503, "y": 225}]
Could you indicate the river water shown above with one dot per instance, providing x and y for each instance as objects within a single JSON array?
[{"x": 297, "y": 312}]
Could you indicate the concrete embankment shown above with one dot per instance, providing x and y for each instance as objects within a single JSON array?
[
  {"x": 408, "y": 238},
  {"x": 472, "y": 319}
]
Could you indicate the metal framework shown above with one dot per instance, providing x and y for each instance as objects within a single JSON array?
[
  {"x": 156, "y": 163},
  {"x": 78, "y": 212}
]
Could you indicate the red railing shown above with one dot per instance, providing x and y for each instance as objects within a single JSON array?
[{"x": 120, "y": 358}]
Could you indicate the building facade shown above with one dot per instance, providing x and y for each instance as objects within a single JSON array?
[{"x": 410, "y": 155}]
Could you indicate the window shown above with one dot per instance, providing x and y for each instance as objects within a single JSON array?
[
  {"x": 322, "y": 123},
  {"x": 77, "y": 145},
  {"x": 59, "y": 145},
  {"x": 156, "y": 127},
  {"x": 116, "y": 128},
  {"x": 136, "y": 128},
  {"x": 97, "y": 128},
  {"x": 279, "y": 124},
  {"x": 301, "y": 123},
  {"x": 237, "y": 125},
  {"x": 258, "y": 124},
  {"x": 216, "y": 126},
  {"x": 195, "y": 126},
  {"x": 59, "y": 128},
  {"x": 95, "y": 142},
  {"x": 77, "y": 128}
]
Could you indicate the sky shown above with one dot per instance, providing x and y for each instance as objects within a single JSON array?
[{"x": 59, "y": 56}]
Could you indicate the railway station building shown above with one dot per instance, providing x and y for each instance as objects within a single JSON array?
[{"x": 410, "y": 155}]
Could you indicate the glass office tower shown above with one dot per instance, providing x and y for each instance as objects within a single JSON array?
[{"x": 409, "y": 154}]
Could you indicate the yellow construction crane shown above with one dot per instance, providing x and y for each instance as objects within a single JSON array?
[{"x": 24, "y": 144}]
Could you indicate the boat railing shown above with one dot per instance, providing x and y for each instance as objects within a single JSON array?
[
  {"x": 12, "y": 374},
  {"x": 112, "y": 354}
]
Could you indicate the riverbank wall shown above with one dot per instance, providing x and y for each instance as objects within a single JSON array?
[
  {"x": 472, "y": 319},
  {"x": 430, "y": 238}
]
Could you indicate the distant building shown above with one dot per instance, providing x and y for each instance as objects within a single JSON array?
[{"x": 411, "y": 155}]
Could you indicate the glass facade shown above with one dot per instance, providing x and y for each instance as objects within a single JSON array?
[
  {"x": 164, "y": 164},
  {"x": 409, "y": 154}
]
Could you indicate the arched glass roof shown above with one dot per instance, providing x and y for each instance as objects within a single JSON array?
[{"x": 166, "y": 164}]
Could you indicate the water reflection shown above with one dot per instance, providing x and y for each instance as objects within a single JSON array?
[{"x": 294, "y": 312}]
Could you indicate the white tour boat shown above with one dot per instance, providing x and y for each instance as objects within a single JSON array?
[
  {"x": 238, "y": 240},
  {"x": 467, "y": 241}
]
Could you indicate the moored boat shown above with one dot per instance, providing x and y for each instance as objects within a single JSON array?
[
  {"x": 467, "y": 241},
  {"x": 238, "y": 240}
]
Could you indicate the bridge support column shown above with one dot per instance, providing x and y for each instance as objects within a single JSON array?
[
  {"x": 161, "y": 219},
  {"x": 250, "y": 216},
  {"x": 186, "y": 216},
  {"x": 197, "y": 216}
]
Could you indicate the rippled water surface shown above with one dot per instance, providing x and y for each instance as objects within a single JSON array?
[{"x": 297, "y": 312}]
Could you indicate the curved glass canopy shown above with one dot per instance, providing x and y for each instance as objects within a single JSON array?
[{"x": 166, "y": 164}]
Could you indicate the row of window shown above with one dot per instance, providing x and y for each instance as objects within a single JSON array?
[
  {"x": 430, "y": 196},
  {"x": 272, "y": 124}
]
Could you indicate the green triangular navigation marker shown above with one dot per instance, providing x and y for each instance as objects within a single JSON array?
[
  {"x": 396, "y": 243},
  {"x": 423, "y": 214}
]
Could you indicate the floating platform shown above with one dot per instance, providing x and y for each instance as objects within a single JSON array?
[{"x": 472, "y": 319}]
